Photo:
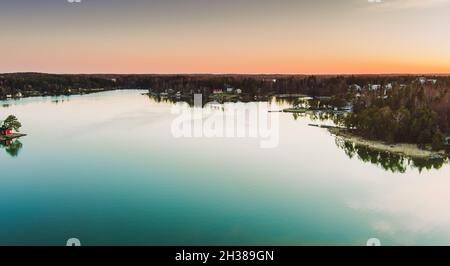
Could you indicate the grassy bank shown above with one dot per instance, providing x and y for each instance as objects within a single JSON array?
[{"x": 410, "y": 150}]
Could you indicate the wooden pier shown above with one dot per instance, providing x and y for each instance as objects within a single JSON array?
[{"x": 12, "y": 136}]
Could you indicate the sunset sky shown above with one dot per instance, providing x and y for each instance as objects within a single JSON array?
[{"x": 225, "y": 36}]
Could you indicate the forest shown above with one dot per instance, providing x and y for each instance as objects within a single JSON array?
[{"x": 413, "y": 114}]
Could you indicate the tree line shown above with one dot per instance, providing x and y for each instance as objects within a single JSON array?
[
  {"x": 416, "y": 113},
  {"x": 314, "y": 85}
]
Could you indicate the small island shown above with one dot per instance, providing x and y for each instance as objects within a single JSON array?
[{"x": 9, "y": 129}]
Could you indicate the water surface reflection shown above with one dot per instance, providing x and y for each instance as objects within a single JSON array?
[
  {"x": 11, "y": 147},
  {"x": 387, "y": 160}
]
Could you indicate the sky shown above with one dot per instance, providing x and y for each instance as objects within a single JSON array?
[{"x": 225, "y": 36}]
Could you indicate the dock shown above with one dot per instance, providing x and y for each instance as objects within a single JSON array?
[
  {"x": 12, "y": 136},
  {"x": 325, "y": 126}
]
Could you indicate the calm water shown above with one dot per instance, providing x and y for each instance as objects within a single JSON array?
[{"x": 106, "y": 169}]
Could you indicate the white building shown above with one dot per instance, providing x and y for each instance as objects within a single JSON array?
[
  {"x": 355, "y": 87},
  {"x": 422, "y": 80},
  {"x": 447, "y": 141},
  {"x": 374, "y": 87},
  {"x": 388, "y": 86}
]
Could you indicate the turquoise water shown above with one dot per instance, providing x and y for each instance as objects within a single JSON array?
[{"x": 105, "y": 168}]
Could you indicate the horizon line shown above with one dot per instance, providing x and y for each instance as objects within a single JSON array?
[{"x": 234, "y": 74}]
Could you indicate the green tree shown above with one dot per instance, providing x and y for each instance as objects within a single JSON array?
[
  {"x": 12, "y": 122},
  {"x": 424, "y": 126},
  {"x": 438, "y": 141}
]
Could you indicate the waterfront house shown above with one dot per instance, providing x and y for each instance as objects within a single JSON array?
[
  {"x": 388, "y": 86},
  {"x": 422, "y": 80},
  {"x": 355, "y": 87},
  {"x": 374, "y": 87},
  {"x": 5, "y": 131},
  {"x": 447, "y": 140}
]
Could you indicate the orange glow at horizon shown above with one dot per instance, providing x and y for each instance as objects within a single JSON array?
[{"x": 349, "y": 37}]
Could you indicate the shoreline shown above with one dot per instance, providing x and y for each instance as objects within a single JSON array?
[
  {"x": 37, "y": 94},
  {"x": 12, "y": 136},
  {"x": 406, "y": 149}
]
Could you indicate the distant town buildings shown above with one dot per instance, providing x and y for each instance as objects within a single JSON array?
[
  {"x": 358, "y": 90},
  {"x": 374, "y": 87},
  {"x": 423, "y": 80}
]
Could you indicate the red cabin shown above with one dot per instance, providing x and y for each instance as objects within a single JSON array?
[{"x": 5, "y": 131}]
